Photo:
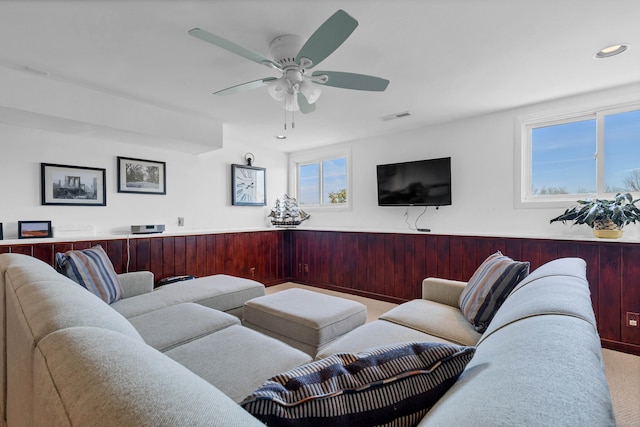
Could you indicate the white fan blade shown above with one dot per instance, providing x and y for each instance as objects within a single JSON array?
[
  {"x": 245, "y": 86},
  {"x": 232, "y": 47},
  {"x": 352, "y": 81}
]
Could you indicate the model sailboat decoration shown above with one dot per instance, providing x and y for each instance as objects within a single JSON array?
[{"x": 286, "y": 213}]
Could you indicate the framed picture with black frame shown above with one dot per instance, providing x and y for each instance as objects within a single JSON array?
[
  {"x": 73, "y": 185},
  {"x": 1, "y": 235},
  {"x": 141, "y": 176},
  {"x": 248, "y": 185},
  {"x": 34, "y": 229}
]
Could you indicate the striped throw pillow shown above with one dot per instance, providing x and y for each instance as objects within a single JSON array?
[
  {"x": 489, "y": 287},
  {"x": 92, "y": 269},
  {"x": 390, "y": 385}
]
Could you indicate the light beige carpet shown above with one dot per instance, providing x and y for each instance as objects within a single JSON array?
[
  {"x": 622, "y": 370},
  {"x": 623, "y": 376}
]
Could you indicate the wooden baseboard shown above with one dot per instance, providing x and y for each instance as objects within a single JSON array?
[{"x": 621, "y": 346}]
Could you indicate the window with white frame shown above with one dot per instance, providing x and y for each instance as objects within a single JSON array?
[
  {"x": 594, "y": 154},
  {"x": 322, "y": 179}
]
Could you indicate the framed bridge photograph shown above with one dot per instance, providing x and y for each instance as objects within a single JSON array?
[{"x": 72, "y": 185}]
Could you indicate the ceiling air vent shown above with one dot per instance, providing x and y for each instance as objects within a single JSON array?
[{"x": 395, "y": 116}]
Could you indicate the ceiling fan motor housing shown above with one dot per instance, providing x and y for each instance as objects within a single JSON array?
[{"x": 284, "y": 49}]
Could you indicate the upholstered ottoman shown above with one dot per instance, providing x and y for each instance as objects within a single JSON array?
[{"x": 303, "y": 319}]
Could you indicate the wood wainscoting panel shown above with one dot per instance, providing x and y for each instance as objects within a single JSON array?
[{"x": 385, "y": 266}]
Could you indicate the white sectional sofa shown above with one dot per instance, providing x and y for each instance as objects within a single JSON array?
[
  {"x": 539, "y": 362},
  {"x": 70, "y": 359}
]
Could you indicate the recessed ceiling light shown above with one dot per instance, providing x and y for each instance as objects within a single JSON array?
[
  {"x": 281, "y": 137},
  {"x": 612, "y": 50},
  {"x": 395, "y": 116}
]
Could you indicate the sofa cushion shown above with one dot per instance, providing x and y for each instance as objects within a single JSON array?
[
  {"x": 45, "y": 305},
  {"x": 563, "y": 278},
  {"x": 169, "y": 327},
  {"x": 94, "y": 377},
  {"x": 489, "y": 286},
  {"x": 92, "y": 269},
  {"x": 397, "y": 383},
  {"x": 433, "y": 318},
  {"x": 539, "y": 371},
  {"x": 249, "y": 358},
  {"x": 376, "y": 333},
  {"x": 220, "y": 292}
]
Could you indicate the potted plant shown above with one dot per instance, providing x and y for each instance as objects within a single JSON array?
[{"x": 606, "y": 217}]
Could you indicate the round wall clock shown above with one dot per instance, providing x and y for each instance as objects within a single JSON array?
[{"x": 248, "y": 186}]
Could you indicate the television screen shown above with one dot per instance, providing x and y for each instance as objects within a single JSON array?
[{"x": 417, "y": 183}]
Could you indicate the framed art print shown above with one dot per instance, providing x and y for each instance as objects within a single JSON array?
[
  {"x": 248, "y": 186},
  {"x": 141, "y": 176},
  {"x": 72, "y": 185},
  {"x": 34, "y": 229}
]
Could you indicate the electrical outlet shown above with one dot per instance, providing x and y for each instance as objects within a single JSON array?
[
  {"x": 633, "y": 319},
  {"x": 180, "y": 221},
  {"x": 252, "y": 271},
  {"x": 306, "y": 268},
  {"x": 300, "y": 268}
]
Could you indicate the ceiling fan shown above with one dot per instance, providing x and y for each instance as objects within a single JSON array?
[{"x": 298, "y": 87}]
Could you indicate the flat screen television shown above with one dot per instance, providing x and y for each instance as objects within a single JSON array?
[{"x": 416, "y": 183}]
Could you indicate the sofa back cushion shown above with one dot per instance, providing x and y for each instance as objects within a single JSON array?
[
  {"x": 394, "y": 385},
  {"x": 538, "y": 371},
  {"x": 489, "y": 286},
  {"x": 38, "y": 303},
  {"x": 564, "y": 278},
  {"x": 93, "y": 270},
  {"x": 95, "y": 377}
]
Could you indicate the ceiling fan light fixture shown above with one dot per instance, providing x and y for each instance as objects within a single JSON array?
[
  {"x": 277, "y": 88},
  {"x": 291, "y": 102},
  {"x": 310, "y": 91},
  {"x": 610, "y": 51}
]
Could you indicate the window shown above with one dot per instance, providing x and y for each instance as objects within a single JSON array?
[
  {"x": 593, "y": 154},
  {"x": 322, "y": 180}
]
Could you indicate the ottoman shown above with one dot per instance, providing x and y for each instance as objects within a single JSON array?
[{"x": 303, "y": 319}]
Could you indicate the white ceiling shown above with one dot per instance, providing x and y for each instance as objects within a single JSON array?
[{"x": 446, "y": 59}]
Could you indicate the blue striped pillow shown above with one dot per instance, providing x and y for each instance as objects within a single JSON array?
[
  {"x": 92, "y": 269},
  {"x": 395, "y": 384},
  {"x": 489, "y": 286}
]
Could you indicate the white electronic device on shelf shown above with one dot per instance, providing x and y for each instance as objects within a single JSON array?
[{"x": 147, "y": 229}]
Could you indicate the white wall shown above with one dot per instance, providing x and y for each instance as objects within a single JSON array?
[
  {"x": 198, "y": 186},
  {"x": 482, "y": 151}
]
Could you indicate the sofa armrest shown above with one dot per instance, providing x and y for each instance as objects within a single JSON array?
[
  {"x": 443, "y": 291},
  {"x": 136, "y": 283}
]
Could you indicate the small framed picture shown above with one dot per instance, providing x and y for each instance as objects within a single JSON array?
[
  {"x": 72, "y": 185},
  {"x": 248, "y": 186},
  {"x": 141, "y": 176},
  {"x": 34, "y": 229}
]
